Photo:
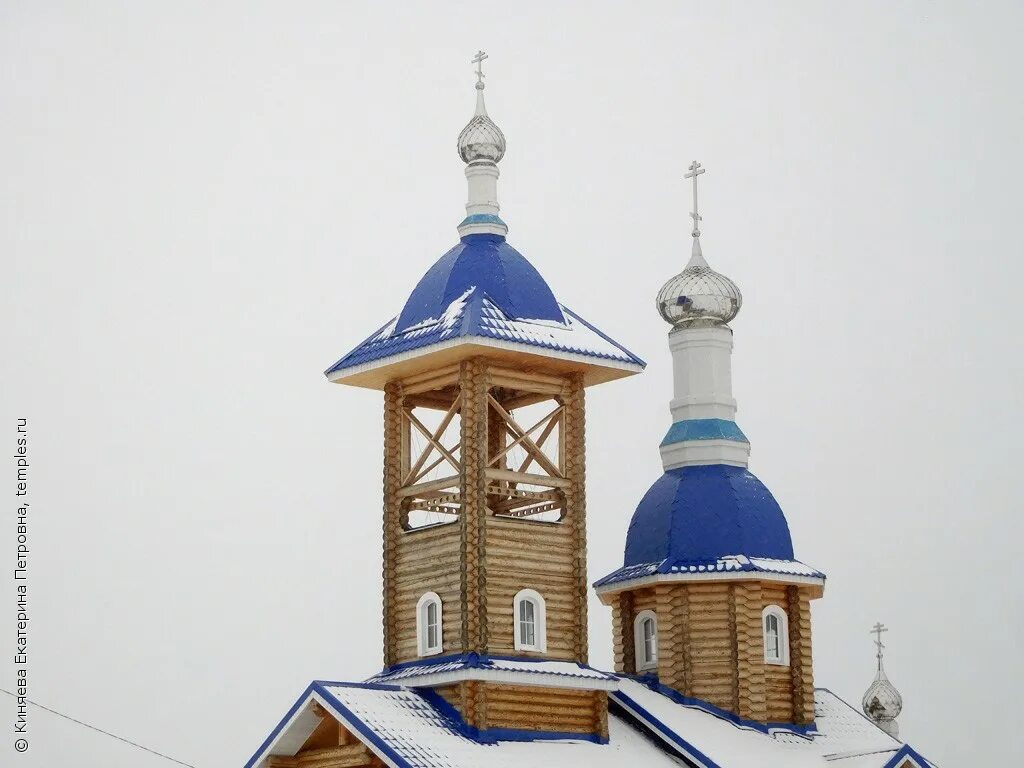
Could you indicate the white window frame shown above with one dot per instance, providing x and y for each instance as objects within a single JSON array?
[
  {"x": 540, "y": 632},
  {"x": 782, "y": 660},
  {"x": 422, "y": 607},
  {"x": 642, "y": 662}
]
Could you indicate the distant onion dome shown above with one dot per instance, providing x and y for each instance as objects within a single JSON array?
[
  {"x": 882, "y": 703},
  {"x": 699, "y": 296}
]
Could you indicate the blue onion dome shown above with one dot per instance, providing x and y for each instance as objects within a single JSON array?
[
  {"x": 701, "y": 513},
  {"x": 488, "y": 263},
  {"x": 699, "y": 296}
]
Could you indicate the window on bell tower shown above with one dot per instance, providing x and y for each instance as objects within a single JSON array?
[
  {"x": 530, "y": 621},
  {"x": 645, "y": 640},
  {"x": 776, "y": 635},
  {"x": 428, "y": 625}
]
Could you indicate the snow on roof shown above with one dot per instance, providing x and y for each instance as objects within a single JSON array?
[
  {"x": 474, "y": 317},
  {"x": 710, "y": 740},
  {"x": 720, "y": 565},
  {"x": 402, "y": 728},
  {"x": 649, "y": 726},
  {"x": 472, "y": 666}
]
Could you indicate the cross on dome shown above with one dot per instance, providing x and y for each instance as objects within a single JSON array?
[
  {"x": 479, "y": 61},
  {"x": 877, "y": 630},
  {"x": 695, "y": 171}
]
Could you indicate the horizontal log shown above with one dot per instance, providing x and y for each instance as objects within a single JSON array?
[
  {"x": 431, "y": 485},
  {"x": 527, "y": 375},
  {"x": 527, "y": 478},
  {"x": 526, "y": 399},
  {"x": 518, "y": 384}
]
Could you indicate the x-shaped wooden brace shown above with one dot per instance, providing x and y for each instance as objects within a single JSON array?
[
  {"x": 522, "y": 437},
  {"x": 433, "y": 443}
]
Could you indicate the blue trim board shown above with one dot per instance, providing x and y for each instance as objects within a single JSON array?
[
  {"x": 280, "y": 726},
  {"x": 477, "y": 661},
  {"x": 652, "y": 682},
  {"x": 704, "y": 429},
  {"x": 362, "y": 727},
  {"x": 483, "y": 218},
  {"x": 318, "y": 686},
  {"x": 640, "y": 716},
  {"x": 903, "y": 754}
]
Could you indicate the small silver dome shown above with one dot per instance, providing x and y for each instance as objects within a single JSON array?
[
  {"x": 481, "y": 139},
  {"x": 698, "y": 296},
  {"x": 882, "y": 702}
]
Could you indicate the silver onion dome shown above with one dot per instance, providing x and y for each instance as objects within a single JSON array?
[
  {"x": 882, "y": 702},
  {"x": 481, "y": 139},
  {"x": 699, "y": 296}
]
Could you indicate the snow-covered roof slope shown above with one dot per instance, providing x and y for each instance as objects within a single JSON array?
[
  {"x": 649, "y": 726},
  {"x": 841, "y": 735},
  {"x": 404, "y": 730},
  {"x": 474, "y": 317}
]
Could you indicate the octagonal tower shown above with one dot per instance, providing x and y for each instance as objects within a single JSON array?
[{"x": 710, "y": 597}]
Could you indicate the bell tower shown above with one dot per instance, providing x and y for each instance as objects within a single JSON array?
[{"x": 484, "y": 537}]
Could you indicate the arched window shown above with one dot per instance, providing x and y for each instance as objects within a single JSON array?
[
  {"x": 530, "y": 621},
  {"x": 645, "y": 640},
  {"x": 776, "y": 635},
  {"x": 428, "y": 625}
]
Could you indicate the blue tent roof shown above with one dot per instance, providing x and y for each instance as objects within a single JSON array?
[
  {"x": 493, "y": 266},
  {"x": 484, "y": 290},
  {"x": 700, "y": 513}
]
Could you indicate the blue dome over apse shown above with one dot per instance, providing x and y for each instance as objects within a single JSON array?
[
  {"x": 490, "y": 264},
  {"x": 701, "y": 513}
]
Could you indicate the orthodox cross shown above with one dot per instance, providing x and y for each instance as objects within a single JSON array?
[
  {"x": 877, "y": 630},
  {"x": 479, "y": 61},
  {"x": 695, "y": 171}
]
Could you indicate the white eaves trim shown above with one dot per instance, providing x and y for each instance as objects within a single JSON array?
[{"x": 484, "y": 341}]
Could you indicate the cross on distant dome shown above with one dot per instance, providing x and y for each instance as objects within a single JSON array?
[
  {"x": 695, "y": 171},
  {"x": 479, "y": 61},
  {"x": 877, "y": 630}
]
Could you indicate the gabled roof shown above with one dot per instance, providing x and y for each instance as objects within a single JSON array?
[
  {"x": 649, "y": 725},
  {"x": 405, "y": 730},
  {"x": 719, "y": 740}
]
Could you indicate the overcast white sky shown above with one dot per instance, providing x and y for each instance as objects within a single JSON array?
[{"x": 204, "y": 204}]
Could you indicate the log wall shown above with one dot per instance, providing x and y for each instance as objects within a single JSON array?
[
  {"x": 711, "y": 645},
  {"x": 427, "y": 560},
  {"x": 539, "y": 556},
  {"x": 557, "y": 710},
  {"x": 478, "y": 563}
]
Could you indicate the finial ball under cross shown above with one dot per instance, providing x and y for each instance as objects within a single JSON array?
[
  {"x": 695, "y": 171},
  {"x": 479, "y": 61}
]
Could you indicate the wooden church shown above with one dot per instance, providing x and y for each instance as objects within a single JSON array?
[{"x": 484, "y": 373}]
